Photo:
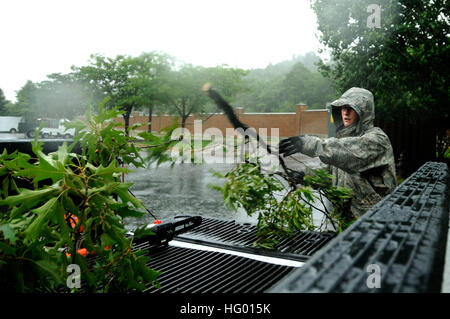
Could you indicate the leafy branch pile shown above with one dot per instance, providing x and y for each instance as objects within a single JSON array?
[
  {"x": 53, "y": 206},
  {"x": 283, "y": 209}
]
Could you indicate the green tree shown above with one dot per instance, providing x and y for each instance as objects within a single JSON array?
[
  {"x": 111, "y": 78},
  {"x": 152, "y": 70},
  {"x": 279, "y": 87},
  {"x": 3, "y": 104},
  {"x": 302, "y": 85},
  {"x": 26, "y": 99},
  {"x": 61, "y": 96},
  {"x": 129, "y": 82},
  {"x": 403, "y": 60},
  {"x": 263, "y": 88},
  {"x": 184, "y": 96},
  {"x": 226, "y": 79}
]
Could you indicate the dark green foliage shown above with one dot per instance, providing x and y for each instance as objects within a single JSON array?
[
  {"x": 37, "y": 242},
  {"x": 3, "y": 104},
  {"x": 279, "y": 87}
]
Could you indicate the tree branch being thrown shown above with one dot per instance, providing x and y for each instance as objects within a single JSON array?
[
  {"x": 293, "y": 177},
  {"x": 252, "y": 190}
]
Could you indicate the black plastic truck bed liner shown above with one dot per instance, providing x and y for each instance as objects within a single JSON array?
[{"x": 398, "y": 246}]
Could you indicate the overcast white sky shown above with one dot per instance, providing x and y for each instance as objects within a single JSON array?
[{"x": 41, "y": 37}]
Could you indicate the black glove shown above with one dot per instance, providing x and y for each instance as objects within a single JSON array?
[
  {"x": 290, "y": 146},
  {"x": 296, "y": 176}
]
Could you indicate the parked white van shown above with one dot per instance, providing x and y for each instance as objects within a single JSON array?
[{"x": 9, "y": 124}]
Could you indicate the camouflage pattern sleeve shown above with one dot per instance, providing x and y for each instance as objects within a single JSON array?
[
  {"x": 365, "y": 164},
  {"x": 351, "y": 154}
]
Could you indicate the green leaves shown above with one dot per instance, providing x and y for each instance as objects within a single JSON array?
[
  {"x": 27, "y": 199},
  {"x": 9, "y": 233},
  {"x": 280, "y": 210},
  {"x": 44, "y": 214},
  {"x": 51, "y": 268},
  {"x": 62, "y": 201},
  {"x": 52, "y": 167},
  {"x": 248, "y": 188}
]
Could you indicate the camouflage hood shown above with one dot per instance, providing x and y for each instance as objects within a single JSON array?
[{"x": 361, "y": 100}]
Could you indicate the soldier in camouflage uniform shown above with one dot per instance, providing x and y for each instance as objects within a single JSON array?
[{"x": 360, "y": 157}]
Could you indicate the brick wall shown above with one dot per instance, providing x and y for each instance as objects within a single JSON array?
[{"x": 302, "y": 121}]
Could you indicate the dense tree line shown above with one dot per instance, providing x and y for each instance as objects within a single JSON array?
[
  {"x": 279, "y": 87},
  {"x": 4, "y": 104},
  {"x": 155, "y": 82}
]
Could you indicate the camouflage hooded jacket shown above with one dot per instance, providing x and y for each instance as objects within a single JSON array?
[{"x": 361, "y": 156}]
